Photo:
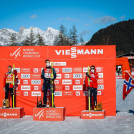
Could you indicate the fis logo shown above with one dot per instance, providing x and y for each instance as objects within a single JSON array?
[
  {"x": 73, "y": 52},
  {"x": 40, "y": 114},
  {"x": 16, "y": 53}
]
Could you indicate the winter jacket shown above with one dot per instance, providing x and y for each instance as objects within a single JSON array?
[{"x": 92, "y": 81}]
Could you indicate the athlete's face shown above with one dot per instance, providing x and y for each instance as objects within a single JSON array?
[
  {"x": 47, "y": 63},
  {"x": 92, "y": 69},
  {"x": 9, "y": 69}
]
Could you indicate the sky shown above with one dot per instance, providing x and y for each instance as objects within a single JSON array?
[{"x": 88, "y": 16}]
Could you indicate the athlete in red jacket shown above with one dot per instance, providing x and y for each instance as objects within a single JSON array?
[
  {"x": 8, "y": 81},
  {"x": 92, "y": 85}
]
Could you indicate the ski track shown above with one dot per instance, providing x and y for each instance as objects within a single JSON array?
[{"x": 122, "y": 123}]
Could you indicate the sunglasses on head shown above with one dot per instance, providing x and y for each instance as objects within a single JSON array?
[{"x": 92, "y": 68}]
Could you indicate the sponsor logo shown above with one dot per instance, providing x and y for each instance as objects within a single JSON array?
[
  {"x": 67, "y": 93},
  {"x": 36, "y": 82},
  {"x": 77, "y": 69},
  {"x": 56, "y": 82},
  {"x": 35, "y": 70},
  {"x": 77, "y": 81},
  {"x": 18, "y": 70},
  {"x": 77, "y": 75},
  {"x": 100, "y": 75},
  {"x": 85, "y": 69},
  {"x": 73, "y": 52},
  {"x": 58, "y": 93},
  {"x": 66, "y": 76},
  {"x": 59, "y": 63},
  {"x": 36, "y": 76},
  {"x": 25, "y": 93},
  {"x": 5, "y": 114},
  {"x": 99, "y": 69},
  {"x": 25, "y": 81},
  {"x": 25, "y": 76},
  {"x": 100, "y": 86},
  {"x": 99, "y": 93},
  {"x": 57, "y": 70},
  {"x": 25, "y": 70},
  {"x": 66, "y": 81},
  {"x": 57, "y": 87},
  {"x": 77, "y": 87},
  {"x": 92, "y": 115},
  {"x": 77, "y": 93},
  {"x": 67, "y": 87},
  {"x": 35, "y": 93},
  {"x": 58, "y": 76},
  {"x": 100, "y": 81},
  {"x": 40, "y": 114},
  {"x": 67, "y": 70},
  {"x": 36, "y": 87},
  {"x": 25, "y": 87},
  {"x": 16, "y": 53}
]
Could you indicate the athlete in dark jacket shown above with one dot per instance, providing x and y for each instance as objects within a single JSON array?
[{"x": 46, "y": 75}]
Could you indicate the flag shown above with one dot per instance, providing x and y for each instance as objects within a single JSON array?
[{"x": 128, "y": 85}]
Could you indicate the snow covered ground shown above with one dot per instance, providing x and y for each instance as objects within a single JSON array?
[{"x": 123, "y": 123}]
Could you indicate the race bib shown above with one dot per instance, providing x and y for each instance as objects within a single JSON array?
[{"x": 47, "y": 73}]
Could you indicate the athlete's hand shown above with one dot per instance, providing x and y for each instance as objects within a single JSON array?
[
  {"x": 88, "y": 75},
  {"x": 52, "y": 79}
]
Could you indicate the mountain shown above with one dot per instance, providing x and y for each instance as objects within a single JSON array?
[
  {"x": 48, "y": 36},
  {"x": 120, "y": 34}
]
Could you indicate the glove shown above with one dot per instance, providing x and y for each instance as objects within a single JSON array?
[
  {"x": 88, "y": 75},
  {"x": 52, "y": 79}
]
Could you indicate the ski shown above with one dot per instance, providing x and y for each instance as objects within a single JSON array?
[
  {"x": 13, "y": 99},
  {"x": 52, "y": 86},
  {"x": 89, "y": 90}
]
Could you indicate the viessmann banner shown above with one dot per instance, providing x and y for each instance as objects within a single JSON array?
[{"x": 71, "y": 63}]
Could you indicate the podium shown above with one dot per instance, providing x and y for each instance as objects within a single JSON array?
[
  {"x": 17, "y": 112},
  {"x": 49, "y": 114},
  {"x": 85, "y": 114}
]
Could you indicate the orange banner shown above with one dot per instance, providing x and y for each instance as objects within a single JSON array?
[{"x": 71, "y": 63}]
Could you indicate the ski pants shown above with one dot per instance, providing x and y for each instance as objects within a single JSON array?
[
  {"x": 7, "y": 89},
  {"x": 93, "y": 92},
  {"x": 47, "y": 87}
]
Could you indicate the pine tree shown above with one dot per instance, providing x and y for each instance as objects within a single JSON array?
[
  {"x": 13, "y": 40},
  {"x": 40, "y": 41},
  {"x": 81, "y": 40},
  {"x": 73, "y": 35},
  {"x": 61, "y": 41},
  {"x": 31, "y": 38},
  {"x": 26, "y": 42}
]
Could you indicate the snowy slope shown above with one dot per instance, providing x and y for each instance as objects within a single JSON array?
[
  {"x": 123, "y": 106},
  {"x": 49, "y": 36}
]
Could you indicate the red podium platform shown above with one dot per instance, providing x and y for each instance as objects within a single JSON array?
[
  {"x": 12, "y": 112},
  {"x": 85, "y": 114},
  {"x": 49, "y": 114}
]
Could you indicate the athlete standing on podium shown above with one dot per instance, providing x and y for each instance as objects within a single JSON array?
[
  {"x": 46, "y": 76},
  {"x": 9, "y": 79},
  {"x": 92, "y": 85}
]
